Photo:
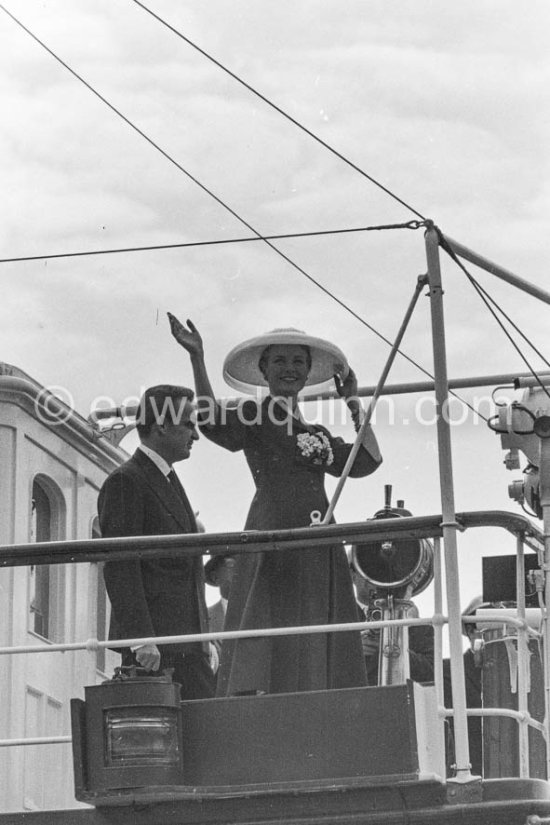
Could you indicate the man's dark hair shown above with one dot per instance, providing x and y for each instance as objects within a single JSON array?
[
  {"x": 165, "y": 402},
  {"x": 262, "y": 363}
]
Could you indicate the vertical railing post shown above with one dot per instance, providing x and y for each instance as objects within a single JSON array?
[
  {"x": 544, "y": 471},
  {"x": 449, "y": 525},
  {"x": 438, "y": 634},
  {"x": 438, "y": 625},
  {"x": 523, "y": 663}
]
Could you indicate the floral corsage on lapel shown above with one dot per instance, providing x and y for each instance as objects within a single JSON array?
[{"x": 314, "y": 448}]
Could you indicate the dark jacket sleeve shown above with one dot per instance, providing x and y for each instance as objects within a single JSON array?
[
  {"x": 121, "y": 513},
  {"x": 363, "y": 465},
  {"x": 229, "y": 426}
]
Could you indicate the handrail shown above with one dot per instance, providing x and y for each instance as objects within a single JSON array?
[
  {"x": 189, "y": 638},
  {"x": 36, "y": 740},
  {"x": 259, "y": 541},
  {"x": 193, "y": 544},
  {"x": 519, "y": 716},
  {"x": 250, "y": 633}
]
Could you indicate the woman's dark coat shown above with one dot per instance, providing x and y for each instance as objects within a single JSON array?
[{"x": 288, "y": 587}]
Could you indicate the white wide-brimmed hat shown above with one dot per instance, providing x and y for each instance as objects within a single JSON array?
[{"x": 241, "y": 368}]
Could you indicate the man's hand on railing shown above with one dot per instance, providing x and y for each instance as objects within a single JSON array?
[{"x": 148, "y": 656}]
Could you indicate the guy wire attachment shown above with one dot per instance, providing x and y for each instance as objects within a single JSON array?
[{"x": 416, "y": 224}]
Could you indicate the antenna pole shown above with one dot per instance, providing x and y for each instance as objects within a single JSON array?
[{"x": 449, "y": 524}]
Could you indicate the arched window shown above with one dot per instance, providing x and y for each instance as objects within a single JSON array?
[{"x": 46, "y": 585}]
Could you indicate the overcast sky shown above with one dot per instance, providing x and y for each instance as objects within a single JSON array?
[{"x": 446, "y": 104}]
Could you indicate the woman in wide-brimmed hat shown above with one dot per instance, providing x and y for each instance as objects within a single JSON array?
[{"x": 288, "y": 459}]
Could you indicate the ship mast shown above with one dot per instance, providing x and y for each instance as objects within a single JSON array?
[
  {"x": 433, "y": 240},
  {"x": 449, "y": 523}
]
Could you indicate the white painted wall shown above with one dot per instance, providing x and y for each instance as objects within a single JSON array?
[{"x": 35, "y": 689}]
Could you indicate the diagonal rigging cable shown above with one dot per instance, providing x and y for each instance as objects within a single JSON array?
[
  {"x": 483, "y": 292},
  {"x": 217, "y": 242},
  {"x": 493, "y": 305},
  {"x": 207, "y": 190},
  {"x": 259, "y": 236},
  {"x": 279, "y": 109},
  {"x": 131, "y": 124}
]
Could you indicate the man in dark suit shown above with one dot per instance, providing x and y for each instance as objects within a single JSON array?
[{"x": 158, "y": 596}]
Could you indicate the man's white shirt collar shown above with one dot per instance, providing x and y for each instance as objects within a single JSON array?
[{"x": 157, "y": 459}]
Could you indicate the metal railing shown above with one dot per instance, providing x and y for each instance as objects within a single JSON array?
[{"x": 413, "y": 527}]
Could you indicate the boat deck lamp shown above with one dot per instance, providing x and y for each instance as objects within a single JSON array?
[{"x": 128, "y": 734}]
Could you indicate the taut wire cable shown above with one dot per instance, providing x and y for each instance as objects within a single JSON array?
[
  {"x": 217, "y": 242},
  {"x": 218, "y": 200},
  {"x": 279, "y": 109},
  {"x": 488, "y": 300},
  {"x": 482, "y": 291},
  {"x": 208, "y": 191}
]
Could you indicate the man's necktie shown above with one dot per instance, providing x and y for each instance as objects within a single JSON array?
[{"x": 174, "y": 482}]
